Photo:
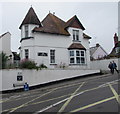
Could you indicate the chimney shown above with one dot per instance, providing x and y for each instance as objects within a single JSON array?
[
  {"x": 97, "y": 45},
  {"x": 115, "y": 39}
]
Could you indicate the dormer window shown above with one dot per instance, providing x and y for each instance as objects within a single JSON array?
[
  {"x": 26, "y": 30},
  {"x": 75, "y": 35}
]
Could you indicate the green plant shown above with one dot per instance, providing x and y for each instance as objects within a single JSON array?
[
  {"x": 3, "y": 60},
  {"x": 42, "y": 66},
  {"x": 27, "y": 64}
]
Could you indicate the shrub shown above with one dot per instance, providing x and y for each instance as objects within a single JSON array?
[
  {"x": 42, "y": 66},
  {"x": 3, "y": 60},
  {"x": 28, "y": 64}
]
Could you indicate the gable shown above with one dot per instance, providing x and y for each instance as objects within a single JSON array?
[
  {"x": 74, "y": 22},
  {"x": 99, "y": 52}
]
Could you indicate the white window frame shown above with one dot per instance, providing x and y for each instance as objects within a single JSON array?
[
  {"x": 26, "y": 53},
  {"x": 52, "y": 56},
  {"x": 76, "y": 35},
  {"x": 26, "y": 31},
  {"x": 77, "y": 57}
]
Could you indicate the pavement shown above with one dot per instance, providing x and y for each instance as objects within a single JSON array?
[{"x": 98, "y": 93}]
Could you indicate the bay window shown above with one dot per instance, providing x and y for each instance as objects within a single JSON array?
[{"x": 77, "y": 57}]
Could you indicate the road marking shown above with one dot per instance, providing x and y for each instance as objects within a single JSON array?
[
  {"x": 57, "y": 103},
  {"x": 70, "y": 98},
  {"x": 58, "y": 97},
  {"x": 93, "y": 104},
  {"x": 7, "y": 99},
  {"x": 14, "y": 109},
  {"x": 71, "y": 84},
  {"x": 115, "y": 93}
]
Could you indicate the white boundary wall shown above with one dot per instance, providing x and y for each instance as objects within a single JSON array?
[
  {"x": 34, "y": 77},
  {"x": 103, "y": 64}
]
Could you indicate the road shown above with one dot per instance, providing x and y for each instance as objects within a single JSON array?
[{"x": 89, "y": 94}]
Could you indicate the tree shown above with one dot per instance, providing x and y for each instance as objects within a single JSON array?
[{"x": 3, "y": 60}]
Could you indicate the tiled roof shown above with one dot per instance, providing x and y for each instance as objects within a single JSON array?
[
  {"x": 52, "y": 24},
  {"x": 86, "y": 36},
  {"x": 71, "y": 23},
  {"x": 31, "y": 18},
  {"x": 92, "y": 50},
  {"x": 76, "y": 46}
]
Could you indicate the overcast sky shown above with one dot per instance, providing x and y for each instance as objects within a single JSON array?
[{"x": 100, "y": 19}]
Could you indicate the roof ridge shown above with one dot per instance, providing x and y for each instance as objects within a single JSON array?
[{"x": 4, "y": 34}]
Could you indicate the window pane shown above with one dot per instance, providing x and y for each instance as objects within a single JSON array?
[
  {"x": 73, "y": 34},
  {"x": 52, "y": 56},
  {"x": 26, "y": 31},
  {"x": 77, "y": 53},
  {"x": 77, "y": 35},
  {"x": 42, "y": 54},
  {"x": 26, "y": 53},
  {"x": 82, "y": 53},
  {"x": 78, "y": 60},
  {"x": 71, "y": 53},
  {"x": 71, "y": 60},
  {"x": 52, "y": 59},
  {"x": 82, "y": 60}
]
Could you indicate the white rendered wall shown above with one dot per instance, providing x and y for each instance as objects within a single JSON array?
[
  {"x": 5, "y": 41},
  {"x": 30, "y": 28},
  {"x": 103, "y": 64},
  {"x": 45, "y": 42},
  {"x": 34, "y": 77}
]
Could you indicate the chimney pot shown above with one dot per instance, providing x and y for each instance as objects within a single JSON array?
[{"x": 97, "y": 45}]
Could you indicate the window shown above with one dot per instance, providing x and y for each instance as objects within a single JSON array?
[
  {"x": 26, "y": 30},
  {"x": 77, "y": 57},
  {"x": 75, "y": 35},
  {"x": 72, "y": 57},
  {"x": 26, "y": 53},
  {"x": 52, "y": 56},
  {"x": 42, "y": 54}
]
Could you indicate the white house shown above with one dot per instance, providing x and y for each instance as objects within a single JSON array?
[
  {"x": 5, "y": 43},
  {"x": 97, "y": 52},
  {"x": 53, "y": 42}
]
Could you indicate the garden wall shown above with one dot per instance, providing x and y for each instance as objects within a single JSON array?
[{"x": 34, "y": 77}]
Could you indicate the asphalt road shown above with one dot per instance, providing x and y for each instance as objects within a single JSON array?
[{"x": 88, "y": 94}]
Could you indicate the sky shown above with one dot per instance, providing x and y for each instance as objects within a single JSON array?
[{"x": 100, "y": 19}]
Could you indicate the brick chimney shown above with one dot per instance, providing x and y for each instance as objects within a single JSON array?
[{"x": 115, "y": 39}]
